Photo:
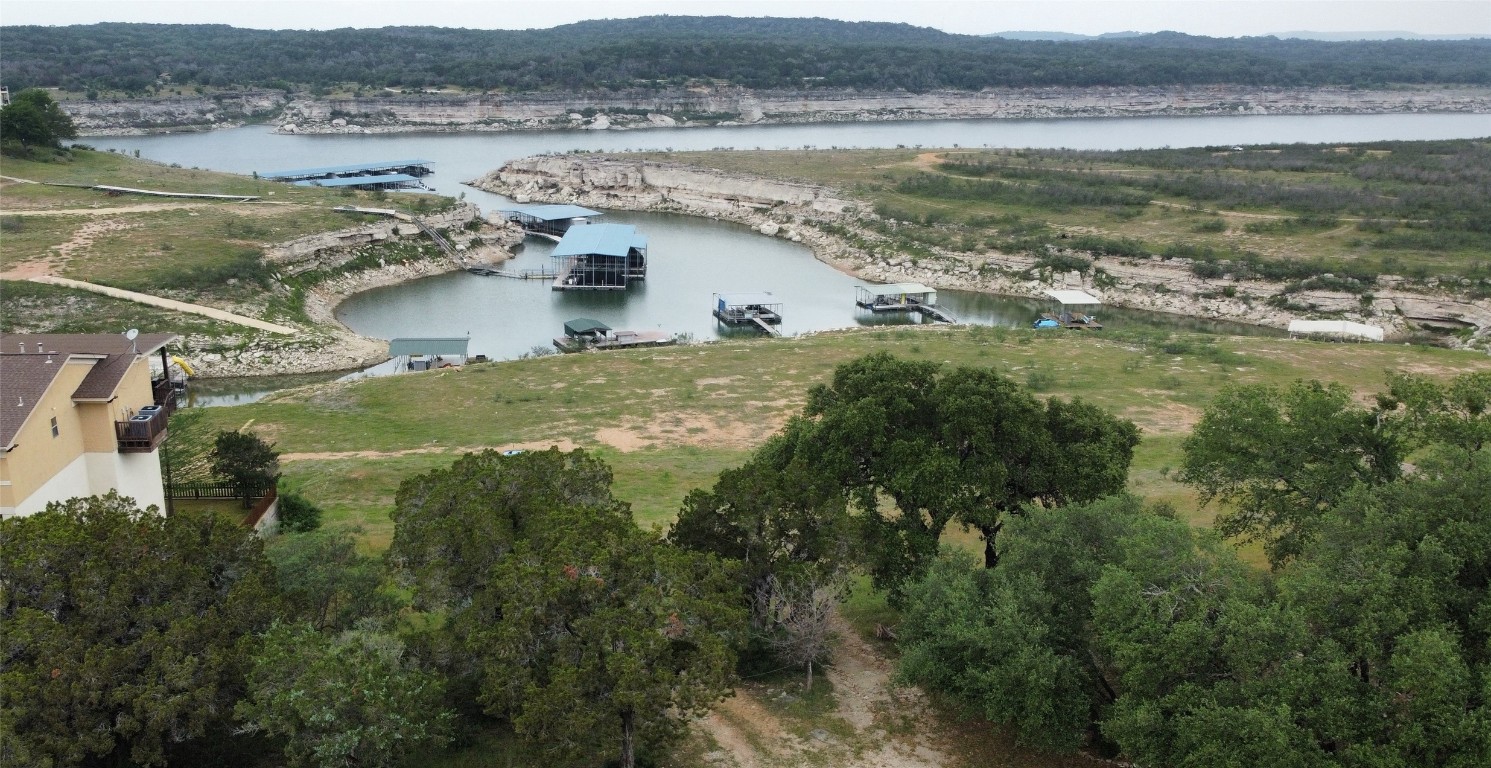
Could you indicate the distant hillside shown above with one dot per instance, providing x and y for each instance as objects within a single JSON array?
[
  {"x": 1296, "y": 35},
  {"x": 676, "y": 50}
]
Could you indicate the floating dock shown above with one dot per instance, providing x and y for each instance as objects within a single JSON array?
[
  {"x": 761, "y": 310},
  {"x": 599, "y": 257},
  {"x": 902, "y": 297},
  {"x": 515, "y": 274},
  {"x": 415, "y": 168},
  {"x": 584, "y": 334},
  {"x": 1069, "y": 313},
  {"x": 549, "y": 221}
]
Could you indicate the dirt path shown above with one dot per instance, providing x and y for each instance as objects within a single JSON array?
[
  {"x": 563, "y": 445},
  {"x": 171, "y": 304},
  {"x": 875, "y": 725},
  {"x": 142, "y": 208}
]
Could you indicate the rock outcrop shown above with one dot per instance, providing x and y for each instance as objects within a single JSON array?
[
  {"x": 124, "y": 117},
  {"x": 327, "y": 345},
  {"x": 389, "y": 111},
  {"x": 819, "y": 217}
]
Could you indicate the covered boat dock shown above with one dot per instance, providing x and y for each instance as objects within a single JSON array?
[
  {"x": 600, "y": 257},
  {"x": 415, "y": 168},
  {"x": 550, "y": 221},
  {"x": 422, "y": 354},
  {"x": 583, "y": 333},
  {"x": 902, "y": 297},
  {"x": 1072, "y": 311},
  {"x": 386, "y": 181},
  {"x": 762, "y": 310}
]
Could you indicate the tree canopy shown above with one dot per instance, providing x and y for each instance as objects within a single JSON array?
[
  {"x": 660, "y": 50},
  {"x": 588, "y": 634},
  {"x": 122, "y": 629},
  {"x": 1129, "y": 630},
  {"x": 965, "y": 445},
  {"x": 33, "y": 119}
]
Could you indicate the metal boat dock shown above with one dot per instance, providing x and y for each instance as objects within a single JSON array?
[
  {"x": 902, "y": 297},
  {"x": 761, "y": 310}
]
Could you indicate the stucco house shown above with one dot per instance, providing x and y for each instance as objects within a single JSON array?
[{"x": 81, "y": 414}]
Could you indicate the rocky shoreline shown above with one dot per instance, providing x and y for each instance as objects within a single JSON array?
[
  {"x": 815, "y": 215},
  {"x": 327, "y": 346},
  {"x": 388, "y": 111}
]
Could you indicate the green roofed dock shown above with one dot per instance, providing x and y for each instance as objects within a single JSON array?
[{"x": 584, "y": 334}]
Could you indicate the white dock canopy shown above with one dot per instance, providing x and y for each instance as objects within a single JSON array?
[
  {"x": 897, "y": 292},
  {"x": 1341, "y": 328},
  {"x": 1065, "y": 297}
]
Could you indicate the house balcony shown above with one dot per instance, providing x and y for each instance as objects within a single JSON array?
[
  {"x": 144, "y": 432},
  {"x": 163, "y": 393}
]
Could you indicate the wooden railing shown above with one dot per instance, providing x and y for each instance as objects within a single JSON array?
[{"x": 143, "y": 433}]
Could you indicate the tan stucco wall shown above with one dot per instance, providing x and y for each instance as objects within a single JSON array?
[
  {"x": 82, "y": 428},
  {"x": 37, "y": 455}
]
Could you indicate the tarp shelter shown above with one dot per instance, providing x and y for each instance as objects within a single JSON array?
[
  {"x": 1342, "y": 328},
  {"x": 1071, "y": 297},
  {"x": 584, "y": 326}
]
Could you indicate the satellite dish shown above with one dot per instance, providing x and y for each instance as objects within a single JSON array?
[{"x": 132, "y": 333}]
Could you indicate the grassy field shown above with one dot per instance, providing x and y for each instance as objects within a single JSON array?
[
  {"x": 668, "y": 421},
  {"x": 1291, "y": 212},
  {"x": 205, "y": 251}
]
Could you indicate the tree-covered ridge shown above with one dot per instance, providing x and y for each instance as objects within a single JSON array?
[{"x": 652, "y": 51}]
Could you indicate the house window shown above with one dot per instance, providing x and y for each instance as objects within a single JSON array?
[{"x": 55, "y": 431}]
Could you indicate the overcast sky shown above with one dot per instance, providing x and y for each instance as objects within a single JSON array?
[{"x": 1217, "y": 18}]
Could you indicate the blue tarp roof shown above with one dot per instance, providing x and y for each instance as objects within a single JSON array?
[
  {"x": 335, "y": 169},
  {"x": 353, "y": 181},
  {"x": 553, "y": 212},
  {"x": 600, "y": 239}
]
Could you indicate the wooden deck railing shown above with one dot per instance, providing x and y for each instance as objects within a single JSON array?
[{"x": 143, "y": 433}]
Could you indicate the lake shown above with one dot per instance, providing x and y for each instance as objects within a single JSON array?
[{"x": 692, "y": 258}]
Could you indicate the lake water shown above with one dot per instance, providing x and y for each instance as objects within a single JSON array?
[{"x": 692, "y": 258}]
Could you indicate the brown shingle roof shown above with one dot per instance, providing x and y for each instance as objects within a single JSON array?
[{"x": 25, "y": 374}]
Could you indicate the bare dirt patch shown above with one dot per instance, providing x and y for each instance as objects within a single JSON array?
[
  {"x": 685, "y": 428},
  {"x": 1164, "y": 417},
  {"x": 563, "y": 445},
  {"x": 871, "y": 716}
]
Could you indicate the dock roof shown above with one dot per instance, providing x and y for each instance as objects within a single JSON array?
[
  {"x": 354, "y": 181},
  {"x": 599, "y": 240},
  {"x": 896, "y": 289},
  {"x": 747, "y": 299},
  {"x": 333, "y": 170},
  {"x": 438, "y": 345},
  {"x": 553, "y": 212},
  {"x": 582, "y": 325},
  {"x": 1073, "y": 297}
]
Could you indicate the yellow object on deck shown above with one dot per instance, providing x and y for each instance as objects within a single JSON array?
[{"x": 184, "y": 365}]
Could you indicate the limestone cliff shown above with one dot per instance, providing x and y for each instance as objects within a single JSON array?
[
  {"x": 389, "y": 111},
  {"x": 820, "y": 217}
]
